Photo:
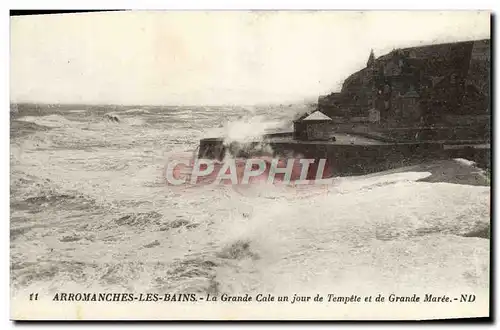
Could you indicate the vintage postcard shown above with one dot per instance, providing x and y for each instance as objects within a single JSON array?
[{"x": 250, "y": 165}]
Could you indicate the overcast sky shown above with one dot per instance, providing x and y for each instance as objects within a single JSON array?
[{"x": 183, "y": 58}]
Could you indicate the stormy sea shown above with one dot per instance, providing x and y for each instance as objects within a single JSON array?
[{"x": 90, "y": 211}]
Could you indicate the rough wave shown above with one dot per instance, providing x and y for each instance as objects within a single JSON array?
[
  {"x": 137, "y": 111},
  {"x": 48, "y": 121}
]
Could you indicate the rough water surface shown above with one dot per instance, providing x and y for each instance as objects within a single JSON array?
[{"x": 90, "y": 210}]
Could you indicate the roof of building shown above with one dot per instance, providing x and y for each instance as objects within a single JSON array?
[{"x": 317, "y": 115}]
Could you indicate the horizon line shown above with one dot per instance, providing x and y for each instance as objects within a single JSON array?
[{"x": 305, "y": 102}]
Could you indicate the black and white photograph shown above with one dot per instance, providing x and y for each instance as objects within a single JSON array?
[{"x": 250, "y": 165}]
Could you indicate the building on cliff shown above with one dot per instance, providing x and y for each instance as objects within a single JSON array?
[
  {"x": 314, "y": 126},
  {"x": 429, "y": 85}
]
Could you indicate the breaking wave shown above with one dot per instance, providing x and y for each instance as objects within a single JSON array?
[
  {"x": 48, "y": 121},
  {"x": 250, "y": 128},
  {"x": 137, "y": 111}
]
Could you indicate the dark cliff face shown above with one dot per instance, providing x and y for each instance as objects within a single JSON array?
[{"x": 431, "y": 81}]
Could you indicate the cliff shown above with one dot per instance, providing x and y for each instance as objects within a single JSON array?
[{"x": 425, "y": 83}]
